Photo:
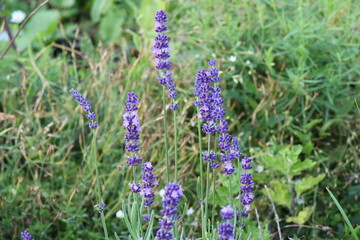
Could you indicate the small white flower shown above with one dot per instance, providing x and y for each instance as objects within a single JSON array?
[
  {"x": 120, "y": 214},
  {"x": 162, "y": 193},
  {"x": 190, "y": 211},
  {"x": 17, "y": 16},
  {"x": 4, "y": 37},
  {"x": 259, "y": 168},
  {"x": 248, "y": 62},
  {"x": 232, "y": 58}
]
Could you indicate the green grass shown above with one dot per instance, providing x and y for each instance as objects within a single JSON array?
[{"x": 294, "y": 82}]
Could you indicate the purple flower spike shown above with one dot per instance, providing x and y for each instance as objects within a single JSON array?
[
  {"x": 247, "y": 185},
  {"x": 161, "y": 52},
  {"x": 173, "y": 195},
  {"x": 132, "y": 126},
  {"x": 149, "y": 182},
  {"x": 25, "y": 235},
  {"x": 87, "y": 107},
  {"x": 226, "y": 231}
]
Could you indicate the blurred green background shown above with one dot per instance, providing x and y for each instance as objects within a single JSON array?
[{"x": 290, "y": 75}]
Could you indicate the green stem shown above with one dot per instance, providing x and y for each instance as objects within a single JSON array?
[
  {"x": 207, "y": 181},
  {"x": 176, "y": 147},
  {"x": 98, "y": 189},
  {"x": 166, "y": 136},
  {"x": 232, "y": 199},
  {"x": 201, "y": 179},
  {"x": 214, "y": 181},
  {"x": 213, "y": 199}
]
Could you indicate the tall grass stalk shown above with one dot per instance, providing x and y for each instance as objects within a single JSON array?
[{"x": 98, "y": 188}]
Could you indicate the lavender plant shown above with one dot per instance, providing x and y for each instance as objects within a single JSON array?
[
  {"x": 100, "y": 206},
  {"x": 161, "y": 53},
  {"x": 211, "y": 121}
]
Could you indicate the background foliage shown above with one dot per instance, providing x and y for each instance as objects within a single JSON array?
[{"x": 291, "y": 72}]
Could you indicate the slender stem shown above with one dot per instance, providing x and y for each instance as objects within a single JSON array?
[
  {"x": 207, "y": 181},
  {"x": 176, "y": 147},
  {"x": 98, "y": 189},
  {"x": 213, "y": 198},
  {"x": 203, "y": 221},
  {"x": 166, "y": 136},
  {"x": 277, "y": 219},
  {"x": 214, "y": 181},
  {"x": 232, "y": 200}
]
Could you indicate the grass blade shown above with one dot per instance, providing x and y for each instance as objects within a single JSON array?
[{"x": 343, "y": 214}]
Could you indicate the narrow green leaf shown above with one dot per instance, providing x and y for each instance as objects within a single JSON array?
[{"x": 343, "y": 214}]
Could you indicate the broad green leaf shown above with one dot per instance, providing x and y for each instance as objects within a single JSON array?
[
  {"x": 110, "y": 25},
  {"x": 280, "y": 194},
  {"x": 63, "y": 3},
  {"x": 147, "y": 12},
  {"x": 297, "y": 168},
  {"x": 307, "y": 183},
  {"x": 99, "y": 8},
  {"x": 42, "y": 24},
  {"x": 302, "y": 217}
]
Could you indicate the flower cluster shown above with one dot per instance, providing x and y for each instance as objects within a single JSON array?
[
  {"x": 230, "y": 146},
  {"x": 25, "y": 235},
  {"x": 209, "y": 99},
  {"x": 100, "y": 207},
  {"x": 210, "y": 102},
  {"x": 173, "y": 194},
  {"x": 226, "y": 229},
  {"x": 149, "y": 182},
  {"x": 247, "y": 185},
  {"x": 132, "y": 136},
  {"x": 87, "y": 107},
  {"x": 161, "y": 53},
  {"x": 132, "y": 126}
]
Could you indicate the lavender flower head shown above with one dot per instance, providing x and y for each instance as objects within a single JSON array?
[
  {"x": 161, "y": 53},
  {"x": 226, "y": 229},
  {"x": 227, "y": 213},
  {"x": 87, "y": 107},
  {"x": 25, "y": 235},
  {"x": 149, "y": 182},
  {"x": 247, "y": 185},
  {"x": 100, "y": 207},
  {"x": 132, "y": 126},
  {"x": 173, "y": 195}
]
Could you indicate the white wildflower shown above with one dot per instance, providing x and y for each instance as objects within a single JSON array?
[
  {"x": 232, "y": 58},
  {"x": 120, "y": 214},
  {"x": 190, "y": 211},
  {"x": 17, "y": 16},
  {"x": 162, "y": 193}
]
